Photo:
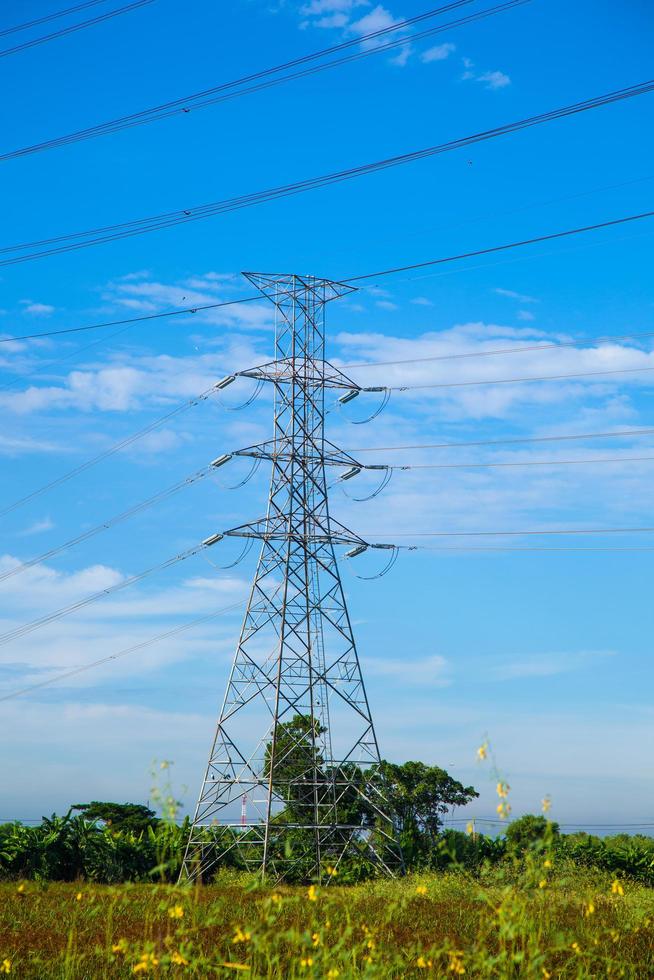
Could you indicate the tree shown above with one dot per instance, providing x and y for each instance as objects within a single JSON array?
[
  {"x": 297, "y": 765},
  {"x": 418, "y": 795},
  {"x": 125, "y": 817},
  {"x": 528, "y": 832}
]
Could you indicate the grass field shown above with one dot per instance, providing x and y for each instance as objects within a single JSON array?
[{"x": 567, "y": 923}]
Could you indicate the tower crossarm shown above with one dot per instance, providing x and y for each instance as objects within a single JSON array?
[
  {"x": 285, "y": 451},
  {"x": 267, "y": 529},
  {"x": 310, "y": 371}
]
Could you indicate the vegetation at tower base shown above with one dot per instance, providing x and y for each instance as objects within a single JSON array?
[{"x": 69, "y": 848}]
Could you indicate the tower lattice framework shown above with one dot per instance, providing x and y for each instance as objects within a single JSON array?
[{"x": 295, "y": 732}]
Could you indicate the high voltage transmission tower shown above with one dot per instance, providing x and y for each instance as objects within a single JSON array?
[{"x": 295, "y": 733}]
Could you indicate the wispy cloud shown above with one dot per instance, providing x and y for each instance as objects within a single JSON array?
[
  {"x": 550, "y": 664},
  {"x": 492, "y": 80},
  {"x": 512, "y": 294},
  {"x": 431, "y": 671},
  {"x": 36, "y": 309},
  {"x": 37, "y": 527},
  {"x": 437, "y": 53}
]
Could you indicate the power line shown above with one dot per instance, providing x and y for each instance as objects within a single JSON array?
[
  {"x": 121, "y": 653},
  {"x": 502, "y": 248},
  {"x": 129, "y": 320},
  {"x": 48, "y": 17},
  {"x": 261, "y": 80},
  {"x": 108, "y": 524},
  {"x": 508, "y": 381},
  {"x": 624, "y": 433},
  {"x": 20, "y": 631},
  {"x": 71, "y": 355},
  {"x": 74, "y": 27},
  {"x": 138, "y": 226},
  {"x": 502, "y": 350},
  {"x": 530, "y": 462},
  {"x": 445, "y": 259},
  {"x": 116, "y": 447},
  {"x": 502, "y": 534},
  {"x": 466, "y": 549}
]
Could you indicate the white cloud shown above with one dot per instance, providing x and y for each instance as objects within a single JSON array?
[
  {"x": 402, "y": 58},
  {"x": 421, "y": 301},
  {"x": 437, "y": 53},
  {"x": 526, "y": 315},
  {"x": 36, "y": 309},
  {"x": 332, "y": 21},
  {"x": 550, "y": 665},
  {"x": 385, "y": 304},
  {"x": 429, "y": 671},
  {"x": 378, "y": 19},
  {"x": 317, "y": 8},
  {"x": 512, "y": 294},
  {"x": 494, "y": 79},
  {"x": 16, "y": 445},
  {"x": 489, "y": 79},
  {"x": 44, "y": 525}
]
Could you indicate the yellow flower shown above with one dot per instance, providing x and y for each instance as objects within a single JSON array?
[
  {"x": 482, "y": 751},
  {"x": 241, "y": 936},
  {"x": 589, "y": 910},
  {"x": 333, "y": 973},
  {"x": 312, "y": 894},
  {"x": 78, "y": 897},
  {"x": 178, "y": 959},
  {"x": 547, "y": 863},
  {"x": 370, "y": 944},
  {"x": 617, "y": 888},
  {"x": 332, "y": 872},
  {"x": 176, "y": 912},
  {"x": 546, "y": 974},
  {"x": 148, "y": 961},
  {"x": 455, "y": 963},
  {"x": 503, "y": 790},
  {"x": 421, "y": 890},
  {"x": 546, "y": 804},
  {"x": 21, "y": 888},
  {"x": 470, "y": 829},
  {"x": 423, "y": 964},
  {"x": 315, "y": 939},
  {"x": 542, "y": 883},
  {"x": 120, "y": 946},
  {"x": 504, "y": 809},
  {"x": 576, "y": 947},
  {"x": 5, "y": 966},
  {"x": 275, "y": 898},
  {"x": 306, "y": 961}
]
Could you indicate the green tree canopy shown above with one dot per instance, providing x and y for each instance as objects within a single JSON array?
[
  {"x": 419, "y": 794},
  {"x": 126, "y": 817},
  {"x": 528, "y": 831}
]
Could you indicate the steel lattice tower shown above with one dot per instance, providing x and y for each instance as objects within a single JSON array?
[{"x": 295, "y": 731}]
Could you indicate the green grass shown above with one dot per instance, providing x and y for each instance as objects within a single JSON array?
[{"x": 543, "y": 922}]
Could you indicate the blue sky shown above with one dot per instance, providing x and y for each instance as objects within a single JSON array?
[{"x": 548, "y": 654}]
